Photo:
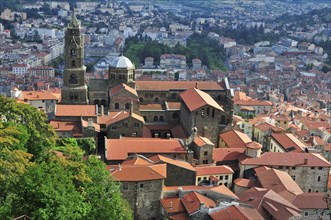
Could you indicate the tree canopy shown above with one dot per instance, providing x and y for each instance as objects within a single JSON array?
[{"x": 48, "y": 179}]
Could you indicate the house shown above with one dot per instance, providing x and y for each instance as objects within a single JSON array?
[
  {"x": 141, "y": 186},
  {"x": 179, "y": 172},
  {"x": 233, "y": 139},
  {"x": 198, "y": 110},
  {"x": 236, "y": 212},
  {"x": 43, "y": 100},
  {"x": 172, "y": 61},
  {"x": 20, "y": 69},
  {"x": 269, "y": 204},
  {"x": 313, "y": 205},
  {"x": 285, "y": 142},
  {"x": 118, "y": 150},
  {"x": 309, "y": 170},
  {"x": 214, "y": 175},
  {"x": 243, "y": 103},
  {"x": 262, "y": 131},
  {"x": 203, "y": 150}
]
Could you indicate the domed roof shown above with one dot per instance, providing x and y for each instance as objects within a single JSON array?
[{"x": 122, "y": 62}]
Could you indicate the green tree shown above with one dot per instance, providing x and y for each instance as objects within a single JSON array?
[
  {"x": 41, "y": 134},
  {"x": 13, "y": 136}
]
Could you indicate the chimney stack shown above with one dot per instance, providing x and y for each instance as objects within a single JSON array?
[{"x": 102, "y": 110}]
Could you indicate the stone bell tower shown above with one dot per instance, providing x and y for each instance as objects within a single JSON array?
[{"x": 74, "y": 90}]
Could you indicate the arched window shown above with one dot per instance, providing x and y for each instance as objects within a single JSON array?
[
  {"x": 117, "y": 106},
  {"x": 73, "y": 63},
  {"x": 127, "y": 105},
  {"x": 175, "y": 115},
  {"x": 161, "y": 118},
  {"x": 145, "y": 118},
  {"x": 73, "y": 52},
  {"x": 141, "y": 99},
  {"x": 96, "y": 102},
  {"x": 155, "y": 118},
  {"x": 156, "y": 99}
]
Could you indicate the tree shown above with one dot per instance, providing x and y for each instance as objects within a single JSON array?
[
  {"x": 41, "y": 134},
  {"x": 13, "y": 136}
]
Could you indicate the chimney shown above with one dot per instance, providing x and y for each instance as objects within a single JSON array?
[
  {"x": 102, "y": 110},
  {"x": 202, "y": 205},
  {"x": 196, "y": 85},
  {"x": 305, "y": 162},
  {"x": 90, "y": 122},
  {"x": 180, "y": 192},
  {"x": 131, "y": 107}
]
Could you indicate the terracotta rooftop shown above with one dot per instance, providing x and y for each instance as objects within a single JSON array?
[
  {"x": 132, "y": 173},
  {"x": 201, "y": 141},
  {"x": 172, "y": 205},
  {"x": 254, "y": 145},
  {"x": 192, "y": 201},
  {"x": 177, "y": 85},
  {"x": 310, "y": 201},
  {"x": 179, "y": 163},
  {"x": 37, "y": 95},
  {"x": 236, "y": 212},
  {"x": 289, "y": 142},
  {"x": 280, "y": 182},
  {"x": 114, "y": 117},
  {"x": 180, "y": 216},
  {"x": 138, "y": 160},
  {"x": 173, "y": 105},
  {"x": 242, "y": 182},
  {"x": 226, "y": 154},
  {"x": 64, "y": 126},
  {"x": 195, "y": 99},
  {"x": 75, "y": 110},
  {"x": 286, "y": 159},
  {"x": 119, "y": 149},
  {"x": 264, "y": 126},
  {"x": 268, "y": 202},
  {"x": 151, "y": 107},
  {"x": 121, "y": 87},
  {"x": 235, "y": 139},
  {"x": 213, "y": 170}
]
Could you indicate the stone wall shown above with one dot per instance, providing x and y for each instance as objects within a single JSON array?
[{"x": 178, "y": 176}]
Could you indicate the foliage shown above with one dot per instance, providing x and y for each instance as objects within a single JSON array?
[
  {"x": 88, "y": 145},
  {"x": 41, "y": 134},
  {"x": 13, "y": 136},
  {"x": 245, "y": 116},
  {"x": 198, "y": 46}
]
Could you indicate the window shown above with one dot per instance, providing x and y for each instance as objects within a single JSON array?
[
  {"x": 202, "y": 111},
  {"x": 155, "y": 118},
  {"x": 207, "y": 112},
  {"x": 205, "y": 153},
  {"x": 313, "y": 168},
  {"x": 141, "y": 185},
  {"x": 145, "y": 118},
  {"x": 309, "y": 190},
  {"x": 173, "y": 96},
  {"x": 199, "y": 179},
  {"x": 319, "y": 179},
  {"x": 125, "y": 125},
  {"x": 221, "y": 178},
  {"x": 320, "y": 168},
  {"x": 293, "y": 168},
  {"x": 125, "y": 186},
  {"x": 113, "y": 128},
  {"x": 156, "y": 99},
  {"x": 293, "y": 177},
  {"x": 205, "y": 178},
  {"x": 223, "y": 120},
  {"x": 73, "y": 63},
  {"x": 161, "y": 118},
  {"x": 306, "y": 213},
  {"x": 141, "y": 99},
  {"x": 226, "y": 184},
  {"x": 226, "y": 177},
  {"x": 117, "y": 105},
  {"x": 112, "y": 76},
  {"x": 136, "y": 125},
  {"x": 175, "y": 115},
  {"x": 280, "y": 167},
  {"x": 205, "y": 161},
  {"x": 213, "y": 113},
  {"x": 127, "y": 105}
]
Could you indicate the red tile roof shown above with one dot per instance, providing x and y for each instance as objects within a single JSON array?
[
  {"x": 173, "y": 105},
  {"x": 280, "y": 182},
  {"x": 195, "y": 99},
  {"x": 137, "y": 161},
  {"x": 254, "y": 145},
  {"x": 242, "y": 182},
  {"x": 179, "y": 163},
  {"x": 289, "y": 142},
  {"x": 213, "y": 170},
  {"x": 235, "y": 212},
  {"x": 114, "y": 117},
  {"x": 121, "y": 87},
  {"x": 119, "y": 149},
  {"x": 75, "y": 110},
  {"x": 172, "y": 205},
  {"x": 63, "y": 126},
  {"x": 37, "y": 95},
  {"x": 177, "y": 85},
  {"x": 286, "y": 159},
  {"x": 151, "y": 107},
  {"x": 311, "y": 201},
  {"x": 235, "y": 139},
  {"x": 267, "y": 201},
  {"x": 192, "y": 201},
  {"x": 226, "y": 154},
  {"x": 138, "y": 173},
  {"x": 202, "y": 141}
]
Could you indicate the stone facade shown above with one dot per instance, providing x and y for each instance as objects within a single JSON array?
[
  {"x": 178, "y": 176},
  {"x": 203, "y": 154},
  {"x": 143, "y": 197},
  {"x": 129, "y": 127},
  {"x": 74, "y": 90}
]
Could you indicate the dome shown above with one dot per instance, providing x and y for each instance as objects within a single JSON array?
[{"x": 122, "y": 62}]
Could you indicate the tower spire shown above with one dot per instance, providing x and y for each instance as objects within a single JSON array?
[{"x": 74, "y": 22}]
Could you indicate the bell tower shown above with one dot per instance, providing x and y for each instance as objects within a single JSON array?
[{"x": 74, "y": 90}]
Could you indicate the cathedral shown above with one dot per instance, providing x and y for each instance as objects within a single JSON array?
[{"x": 121, "y": 106}]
